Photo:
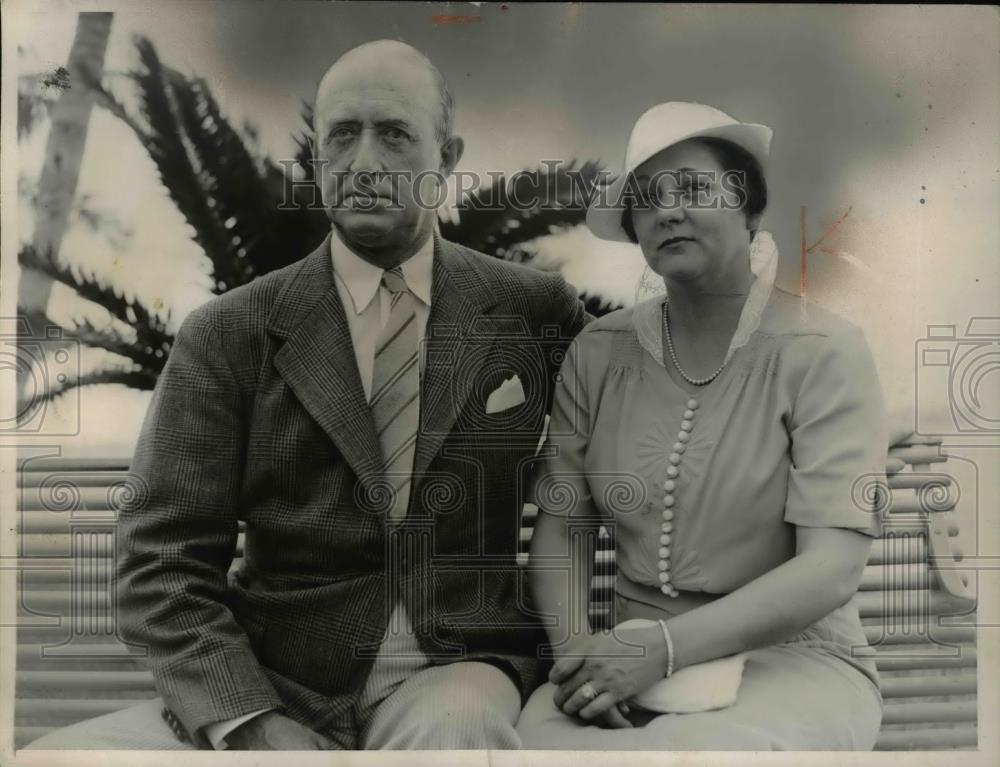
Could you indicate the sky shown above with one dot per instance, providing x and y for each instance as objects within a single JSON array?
[{"x": 887, "y": 114}]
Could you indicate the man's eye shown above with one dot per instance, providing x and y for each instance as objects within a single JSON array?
[
  {"x": 341, "y": 134},
  {"x": 395, "y": 134}
]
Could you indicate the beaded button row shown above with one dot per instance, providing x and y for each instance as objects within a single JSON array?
[{"x": 669, "y": 485}]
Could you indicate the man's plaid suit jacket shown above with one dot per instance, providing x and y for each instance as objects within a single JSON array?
[{"x": 260, "y": 416}]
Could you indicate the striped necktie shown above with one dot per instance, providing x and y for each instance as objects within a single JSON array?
[{"x": 395, "y": 400}]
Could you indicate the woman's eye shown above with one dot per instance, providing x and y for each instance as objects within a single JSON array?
[{"x": 694, "y": 189}]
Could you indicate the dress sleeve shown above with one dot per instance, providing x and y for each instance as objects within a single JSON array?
[
  {"x": 562, "y": 488},
  {"x": 839, "y": 438}
]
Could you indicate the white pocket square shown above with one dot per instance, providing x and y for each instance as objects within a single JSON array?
[
  {"x": 701, "y": 687},
  {"x": 509, "y": 394}
]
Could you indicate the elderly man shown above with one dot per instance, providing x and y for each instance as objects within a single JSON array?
[{"x": 367, "y": 412}]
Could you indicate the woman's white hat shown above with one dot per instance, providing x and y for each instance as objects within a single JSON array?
[{"x": 660, "y": 127}]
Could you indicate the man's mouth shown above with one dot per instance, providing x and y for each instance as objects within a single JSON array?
[{"x": 364, "y": 200}]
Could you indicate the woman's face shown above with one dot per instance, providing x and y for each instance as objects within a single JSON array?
[{"x": 692, "y": 226}]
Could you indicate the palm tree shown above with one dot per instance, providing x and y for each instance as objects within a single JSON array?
[{"x": 231, "y": 197}]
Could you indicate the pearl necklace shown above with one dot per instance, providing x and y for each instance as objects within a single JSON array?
[{"x": 673, "y": 356}]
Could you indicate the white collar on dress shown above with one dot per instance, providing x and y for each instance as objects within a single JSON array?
[
  {"x": 362, "y": 279},
  {"x": 647, "y": 315}
]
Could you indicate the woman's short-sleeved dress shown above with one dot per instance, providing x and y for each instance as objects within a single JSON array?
[{"x": 791, "y": 433}]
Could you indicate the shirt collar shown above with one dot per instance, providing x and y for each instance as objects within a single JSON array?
[{"x": 362, "y": 279}]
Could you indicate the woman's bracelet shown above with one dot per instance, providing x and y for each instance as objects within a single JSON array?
[{"x": 670, "y": 648}]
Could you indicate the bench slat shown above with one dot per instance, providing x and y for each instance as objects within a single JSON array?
[
  {"x": 919, "y": 454},
  {"x": 81, "y": 657},
  {"x": 965, "y": 659},
  {"x": 926, "y": 738},
  {"x": 880, "y": 577},
  {"x": 92, "y": 681},
  {"x": 905, "y": 480},
  {"x": 891, "y": 553},
  {"x": 75, "y": 463},
  {"x": 55, "y": 711},
  {"x": 63, "y": 501},
  {"x": 909, "y": 603},
  {"x": 928, "y": 686},
  {"x": 910, "y": 503},
  {"x": 30, "y": 480},
  {"x": 937, "y": 711},
  {"x": 876, "y": 632},
  {"x": 58, "y": 546}
]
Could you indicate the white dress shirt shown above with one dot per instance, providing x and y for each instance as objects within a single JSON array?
[{"x": 366, "y": 304}]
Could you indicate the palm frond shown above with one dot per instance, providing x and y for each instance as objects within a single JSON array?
[
  {"x": 104, "y": 97},
  {"x": 232, "y": 199},
  {"x": 133, "y": 379},
  {"x": 150, "y": 328},
  {"x": 229, "y": 175},
  {"x": 136, "y": 350},
  {"x": 102, "y": 221},
  {"x": 501, "y": 219},
  {"x": 304, "y": 151},
  {"x": 301, "y": 223},
  {"x": 598, "y": 306},
  {"x": 162, "y": 136},
  {"x": 301, "y": 218}
]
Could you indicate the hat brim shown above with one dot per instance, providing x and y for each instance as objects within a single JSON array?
[{"x": 604, "y": 216}]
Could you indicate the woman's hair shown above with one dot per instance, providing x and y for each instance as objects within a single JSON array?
[{"x": 731, "y": 158}]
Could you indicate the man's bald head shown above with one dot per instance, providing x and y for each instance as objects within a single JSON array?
[
  {"x": 383, "y": 138},
  {"x": 394, "y": 60}
]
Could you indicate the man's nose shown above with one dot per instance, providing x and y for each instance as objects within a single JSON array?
[{"x": 366, "y": 154}]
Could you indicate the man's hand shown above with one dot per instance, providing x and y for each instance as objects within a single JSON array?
[{"x": 272, "y": 731}]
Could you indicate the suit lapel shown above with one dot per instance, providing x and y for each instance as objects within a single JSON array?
[
  {"x": 318, "y": 363},
  {"x": 458, "y": 340}
]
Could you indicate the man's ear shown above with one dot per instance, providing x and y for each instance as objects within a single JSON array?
[{"x": 451, "y": 153}]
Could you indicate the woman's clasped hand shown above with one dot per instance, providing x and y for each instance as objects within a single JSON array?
[{"x": 615, "y": 664}]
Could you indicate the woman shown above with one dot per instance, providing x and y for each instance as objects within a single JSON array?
[{"x": 723, "y": 430}]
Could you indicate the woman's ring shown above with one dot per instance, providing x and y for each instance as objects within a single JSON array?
[{"x": 587, "y": 690}]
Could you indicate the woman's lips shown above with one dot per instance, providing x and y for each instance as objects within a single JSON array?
[{"x": 674, "y": 242}]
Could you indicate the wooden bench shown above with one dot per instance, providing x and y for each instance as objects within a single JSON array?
[{"x": 918, "y": 609}]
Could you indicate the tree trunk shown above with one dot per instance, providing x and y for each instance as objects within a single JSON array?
[
  {"x": 61, "y": 169},
  {"x": 64, "y": 152}
]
